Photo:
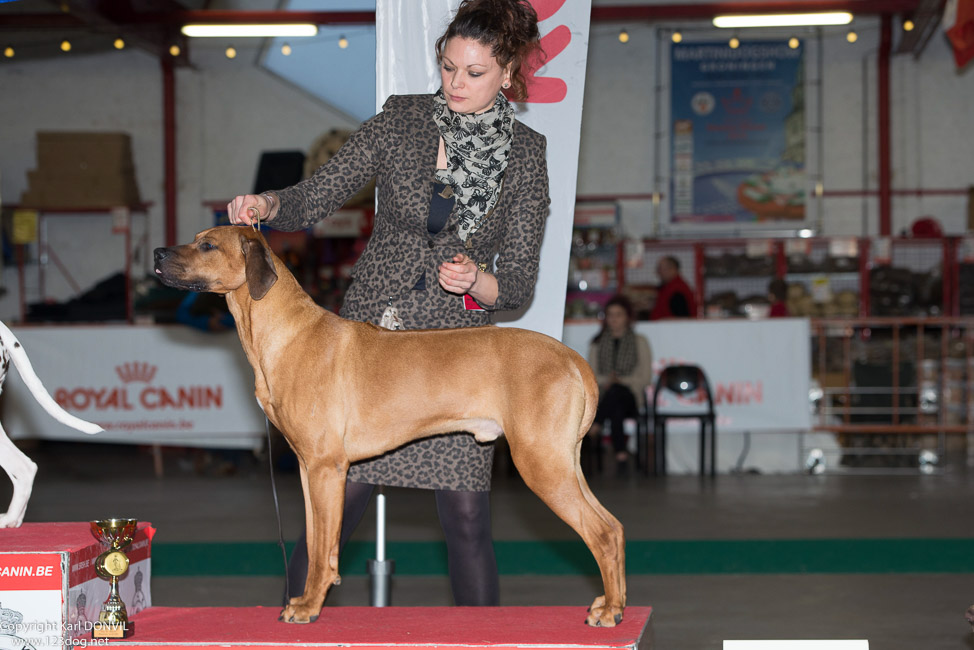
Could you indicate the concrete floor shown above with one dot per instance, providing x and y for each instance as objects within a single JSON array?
[{"x": 695, "y": 609}]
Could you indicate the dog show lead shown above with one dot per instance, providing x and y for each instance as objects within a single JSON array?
[{"x": 462, "y": 191}]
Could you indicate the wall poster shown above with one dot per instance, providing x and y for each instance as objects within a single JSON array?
[{"x": 738, "y": 133}]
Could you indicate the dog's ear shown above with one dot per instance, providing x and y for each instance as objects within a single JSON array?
[{"x": 261, "y": 274}]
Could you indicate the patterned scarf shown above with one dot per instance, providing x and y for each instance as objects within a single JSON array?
[
  {"x": 477, "y": 146},
  {"x": 617, "y": 354}
]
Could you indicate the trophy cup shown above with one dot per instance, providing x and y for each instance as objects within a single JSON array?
[{"x": 117, "y": 534}]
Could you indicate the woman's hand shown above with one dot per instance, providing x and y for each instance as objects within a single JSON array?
[
  {"x": 458, "y": 275},
  {"x": 249, "y": 209}
]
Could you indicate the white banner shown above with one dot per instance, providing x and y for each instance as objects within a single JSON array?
[
  {"x": 759, "y": 371},
  {"x": 170, "y": 385},
  {"x": 406, "y": 32}
]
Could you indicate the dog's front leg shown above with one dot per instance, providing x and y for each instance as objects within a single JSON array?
[{"x": 324, "y": 492}]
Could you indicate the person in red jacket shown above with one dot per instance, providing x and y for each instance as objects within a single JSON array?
[{"x": 675, "y": 297}]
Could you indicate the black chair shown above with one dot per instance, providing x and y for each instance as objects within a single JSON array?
[{"x": 683, "y": 381}]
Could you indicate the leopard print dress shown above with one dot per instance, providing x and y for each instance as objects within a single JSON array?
[{"x": 398, "y": 147}]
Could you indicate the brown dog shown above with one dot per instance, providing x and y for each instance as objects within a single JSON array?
[{"x": 343, "y": 391}]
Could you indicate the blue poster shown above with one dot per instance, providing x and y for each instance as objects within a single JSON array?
[{"x": 738, "y": 133}]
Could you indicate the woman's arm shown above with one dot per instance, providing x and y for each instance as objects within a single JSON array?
[
  {"x": 301, "y": 205},
  {"x": 519, "y": 252}
]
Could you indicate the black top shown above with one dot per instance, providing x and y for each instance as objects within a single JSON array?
[{"x": 441, "y": 205}]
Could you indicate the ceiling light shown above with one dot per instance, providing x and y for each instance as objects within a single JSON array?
[
  {"x": 231, "y": 52},
  {"x": 784, "y": 20},
  {"x": 734, "y": 43},
  {"x": 119, "y": 44},
  {"x": 8, "y": 52},
  {"x": 908, "y": 25},
  {"x": 677, "y": 37},
  {"x": 250, "y": 31},
  {"x": 342, "y": 42},
  {"x": 286, "y": 50},
  {"x": 852, "y": 36},
  {"x": 65, "y": 46},
  {"x": 623, "y": 36},
  {"x": 793, "y": 43},
  {"x": 174, "y": 50}
]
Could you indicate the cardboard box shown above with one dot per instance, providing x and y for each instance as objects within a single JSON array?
[
  {"x": 81, "y": 190},
  {"x": 82, "y": 170},
  {"x": 59, "y": 151},
  {"x": 49, "y": 591}
]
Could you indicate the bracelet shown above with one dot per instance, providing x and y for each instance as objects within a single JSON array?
[{"x": 270, "y": 202}]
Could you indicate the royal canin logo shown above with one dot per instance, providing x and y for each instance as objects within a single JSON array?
[{"x": 129, "y": 397}]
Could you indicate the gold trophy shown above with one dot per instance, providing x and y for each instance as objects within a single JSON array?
[{"x": 117, "y": 534}]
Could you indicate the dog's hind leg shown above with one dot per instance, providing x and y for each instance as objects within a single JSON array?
[
  {"x": 557, "y": 479},
  {"x": 324, "y": 492},
  {"x": 21, "y": 471}
]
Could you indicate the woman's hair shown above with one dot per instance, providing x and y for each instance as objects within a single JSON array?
[
  {"x": 617, "y": 300},
  {"x": 508, "y": 27}
]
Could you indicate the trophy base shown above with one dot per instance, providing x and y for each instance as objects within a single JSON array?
[{"x": 112, "y": 631}]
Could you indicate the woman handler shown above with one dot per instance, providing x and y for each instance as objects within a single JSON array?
[{"x": 462, "y": 201}]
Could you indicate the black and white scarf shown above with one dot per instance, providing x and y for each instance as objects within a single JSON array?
[
  {"x": 617, "y": 355},
  {"x": 477, "y": 147}
]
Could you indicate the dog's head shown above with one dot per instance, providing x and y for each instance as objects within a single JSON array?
[{"x": 219, "y": 260}]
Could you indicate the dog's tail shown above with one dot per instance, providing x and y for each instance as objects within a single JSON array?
[{"x": 37, "y": 389}]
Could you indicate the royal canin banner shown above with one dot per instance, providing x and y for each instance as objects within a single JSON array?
[
  {"x": 168, "y": 385},
  {"x": 406, "y": 32},
  {"x": 759, "y": 371}
]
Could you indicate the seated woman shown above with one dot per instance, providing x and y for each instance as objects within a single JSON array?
[{"x": 623, "y": 365}]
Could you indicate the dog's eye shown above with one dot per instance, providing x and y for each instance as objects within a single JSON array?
[{"x": 206, "y": 246}]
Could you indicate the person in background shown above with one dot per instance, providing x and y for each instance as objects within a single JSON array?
[
  {"x": 778, "y": 296},
  {"x": 623, "y": 364},
  {"x": 675, "y": 297},
  {"x": 207, "y": 312},
  {"x": 453, "y": 242}
]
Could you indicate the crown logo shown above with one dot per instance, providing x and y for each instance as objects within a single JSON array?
[{"x": 136, "y": 371}]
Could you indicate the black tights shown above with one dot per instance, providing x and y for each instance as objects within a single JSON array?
[{"x": 465, "y": 519}]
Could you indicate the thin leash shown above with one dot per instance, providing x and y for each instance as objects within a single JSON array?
[{"x": 277, "y": 510}]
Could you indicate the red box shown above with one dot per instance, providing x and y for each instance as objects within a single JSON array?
[{"x": 49, "y": 591}]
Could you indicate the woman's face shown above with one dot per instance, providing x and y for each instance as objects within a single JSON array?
[
  {"x": 617, "y": 320},
  {"x": 471, "y": 76}
]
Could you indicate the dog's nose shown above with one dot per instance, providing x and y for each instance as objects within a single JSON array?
[{"x": 160, "y": 254}]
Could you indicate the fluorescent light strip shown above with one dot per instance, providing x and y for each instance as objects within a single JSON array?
[
  {"x": 251, "y": 31},
  {"x": 784, "y": 20}
]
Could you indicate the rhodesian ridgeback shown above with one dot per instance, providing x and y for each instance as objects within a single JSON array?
[{"x": 342, "y": 391}]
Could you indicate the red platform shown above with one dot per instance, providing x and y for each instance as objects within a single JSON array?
[{"x": 444, "y": 628}]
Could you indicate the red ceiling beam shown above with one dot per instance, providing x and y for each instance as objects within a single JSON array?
[{"x": 122, "y": 15}]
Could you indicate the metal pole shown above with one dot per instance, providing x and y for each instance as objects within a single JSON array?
[{"x": 380, "y": 569}]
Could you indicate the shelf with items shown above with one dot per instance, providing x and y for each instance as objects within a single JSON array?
[
  {"x": 838, "y": 277},
  {"x": 594, "y": 273}
]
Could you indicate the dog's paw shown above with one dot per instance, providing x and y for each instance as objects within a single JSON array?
[
  {"x": 299, "y": 611},
  {"x": 602, "y": 615},
  {"x": 11, "y": 520}
]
